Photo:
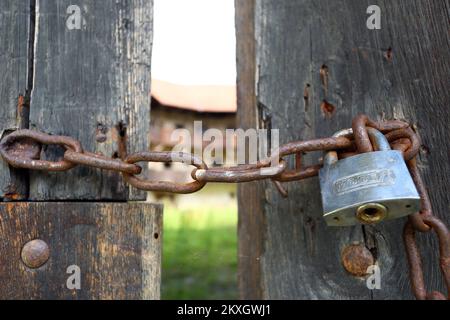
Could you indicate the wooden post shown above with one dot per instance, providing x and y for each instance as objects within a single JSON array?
[
  {"x": 311, "y": 66},
  {"x": 79, "y": 68},
  {"x": 91, "y": 82},
  {"x": 14, "y": 85},
  {"x": 114, "y": 248}
]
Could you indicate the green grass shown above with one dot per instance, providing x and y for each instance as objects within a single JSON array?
[{"x": 199, "y": 253}]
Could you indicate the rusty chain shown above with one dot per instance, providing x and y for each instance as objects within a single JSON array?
[{"x": 22, "y": 149}]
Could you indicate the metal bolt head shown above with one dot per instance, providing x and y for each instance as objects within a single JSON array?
[
  {"x": 35, "y": 253},
  {"x": 356, "y": 258},
  {"x": 371, "y": 213}
]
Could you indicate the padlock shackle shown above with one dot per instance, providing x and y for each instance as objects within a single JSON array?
[
  {"x": 378, "y": 140},
  {"x": 331, "y": 156}
]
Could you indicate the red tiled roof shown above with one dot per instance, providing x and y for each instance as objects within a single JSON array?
[{"x": 201, "y": 98}]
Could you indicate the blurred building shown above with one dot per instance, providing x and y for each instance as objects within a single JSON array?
[
  {"x": 193, "y": 79},
  {"x": 213, "y": 106}
]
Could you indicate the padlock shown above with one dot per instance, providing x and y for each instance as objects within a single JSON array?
[{"x": 369, "y": 187}]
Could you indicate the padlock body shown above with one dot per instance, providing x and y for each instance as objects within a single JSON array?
[{"x": 375, "y": 177}]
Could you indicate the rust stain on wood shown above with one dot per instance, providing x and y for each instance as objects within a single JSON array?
[
  {"x": 324, "y": 77},
  {"x": 327, "y": 109}
]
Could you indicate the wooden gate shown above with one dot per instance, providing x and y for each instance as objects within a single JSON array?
[
  {"x": 306, "y": 68},
  {"x": 79, "y": 68},
  {"x": 82, "y": 68}
]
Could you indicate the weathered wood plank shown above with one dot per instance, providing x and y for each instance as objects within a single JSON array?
[
  {"x": 89, "y": 83},
  {"x": 250, "y": 195},
  {"x": 400, "y": 71},
  {"x": 117, "y": 247},
  {"x": 14, "y": 26}
]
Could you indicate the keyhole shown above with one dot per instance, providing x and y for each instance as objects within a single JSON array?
[{"x": 371, "y": 213}]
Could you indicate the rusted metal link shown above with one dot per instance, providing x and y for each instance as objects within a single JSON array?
[
  {"x": 394, "y": 130},
  {"x": 401, "y": 144},
  {"x": 360, "y": 134},
  {"x": 234, "y": 175},
  {"x": 101, "y": 162},
  {"x": 250, "y": 172},
  {"x": 164, "y": 186},
  {"x": 19, "y": 149},
  {"x": 409, "y": 134},
  {"x": 299, "y": 173},
  {"x": 294, "y": 175},
  {"x": 359, "y": 124},
  {"x": 415, "y": 261},
  {"x": 298, "y": 147},
  {"x": 323, "y": 144},
  {"x": 243, "y": 173},
  {"x": 416, "y": 219}
]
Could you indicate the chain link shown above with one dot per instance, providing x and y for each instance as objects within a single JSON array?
[
  {"x": 22, "y": 149},
  {"x": 165, "y": 186}
]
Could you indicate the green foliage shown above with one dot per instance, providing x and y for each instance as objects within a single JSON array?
[{"x": 199, "y": 253}]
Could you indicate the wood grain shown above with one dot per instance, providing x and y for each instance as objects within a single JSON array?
[
  {"x": 14, "y": 26},
  {"x": 116, "y": 245},
  {"x": 316, "y": 66},
  {"x": 88, "y": 84},
  {"x": 251, "y": 224}
]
